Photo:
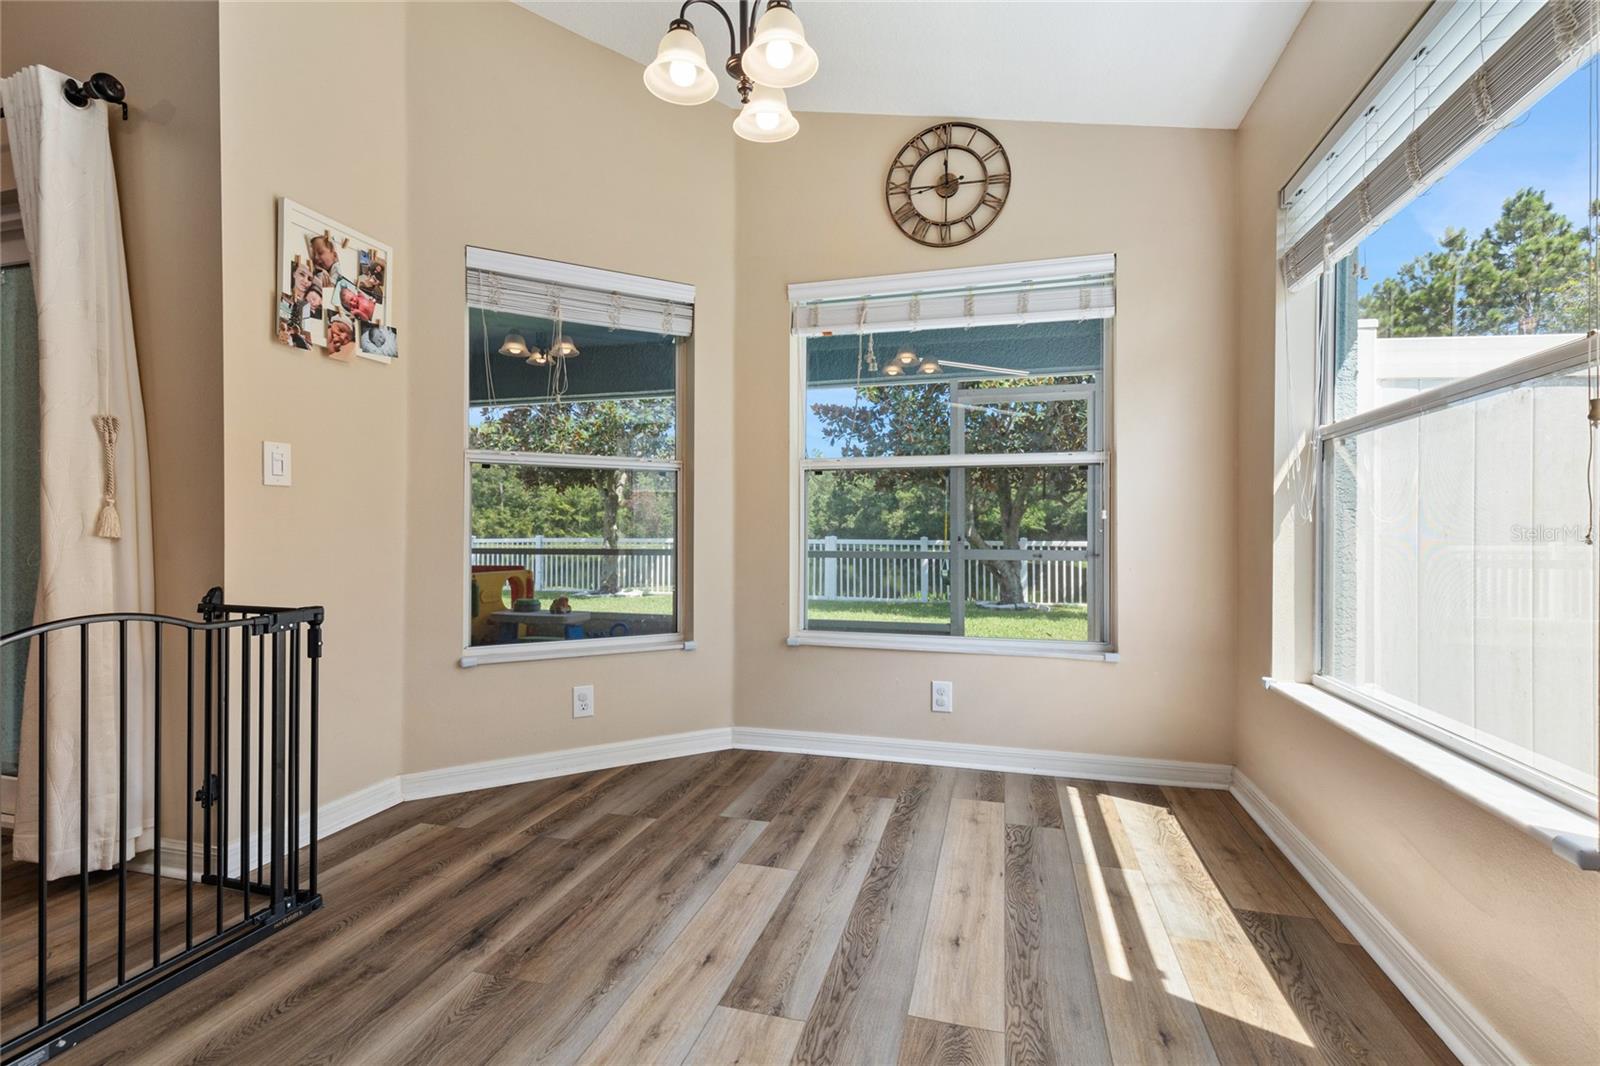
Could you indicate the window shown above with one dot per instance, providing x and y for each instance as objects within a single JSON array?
[
  {"x": 575, "y": 431},
  {"x": 952, "y": 459},
  {"x": 1456, "y": 570}
]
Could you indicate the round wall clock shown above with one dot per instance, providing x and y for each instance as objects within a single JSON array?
[{"x": 948, "y": 184}]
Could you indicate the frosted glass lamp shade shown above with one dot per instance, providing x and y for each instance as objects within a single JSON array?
[
  {"x": 514, "y": 345},
  {"x": 679, "y": 74},
  {"x": 778, "y": 56},
  {"x": 766, "y": 118}
]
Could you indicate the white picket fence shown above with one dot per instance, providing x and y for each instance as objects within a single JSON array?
[
  {"x": 884, "y": 571},
  {"x": 919, "y": 571},
  {"x": 560, "y": 564}
]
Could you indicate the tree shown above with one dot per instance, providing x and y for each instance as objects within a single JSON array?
[
  {"x": 573, "y": 501},
  {"x": 1525, "y": 273},
  {"x": 1005, "y": 503},
  {"x": 1528, "y": 272},
  {"x": 1422, "y": 299}
]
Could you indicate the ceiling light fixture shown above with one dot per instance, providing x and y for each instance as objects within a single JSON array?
[
  {"x": 767, "y": 56},
  {"x": 514, "y": 345}
]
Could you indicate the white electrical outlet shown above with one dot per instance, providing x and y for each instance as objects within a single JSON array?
[
  {"x": 583, "y": 701},
  {"x": 944, "y": 697}
]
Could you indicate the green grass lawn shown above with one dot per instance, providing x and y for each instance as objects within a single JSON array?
[
  {"x": 611, "y": 604},
  {"x": 1067, "y": 622}
]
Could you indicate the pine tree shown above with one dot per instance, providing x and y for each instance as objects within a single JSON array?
[
  {"x": 1526, "y": 273},
  {"x": 1422, "y": 299}
]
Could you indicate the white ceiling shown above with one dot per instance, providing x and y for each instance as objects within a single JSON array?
[{"x": 1168, "y": 63}]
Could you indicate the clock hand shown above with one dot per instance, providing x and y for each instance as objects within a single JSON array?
[{"x": 935, "y": 185}]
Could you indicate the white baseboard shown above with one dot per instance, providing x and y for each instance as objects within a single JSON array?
[
  {"x": 989, "y": 757},
  {"x": 471, "y": 777},
  {"x": 331, "y": 817},
  {"x": 1447, "y": 1011}
]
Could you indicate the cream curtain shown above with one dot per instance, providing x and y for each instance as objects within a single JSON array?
[{"x": 95, "y": 548}]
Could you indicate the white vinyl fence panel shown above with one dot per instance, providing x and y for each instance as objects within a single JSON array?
[
  {"x": 918, "y": 571},
  {"x": 903, "y": 571},
  {"x": 560, "y": 565}
]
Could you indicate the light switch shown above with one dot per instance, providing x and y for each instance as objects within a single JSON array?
[{"x": 274, "y": 463}]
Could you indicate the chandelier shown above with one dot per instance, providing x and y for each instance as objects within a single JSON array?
[{"x": 767, "y": 56}]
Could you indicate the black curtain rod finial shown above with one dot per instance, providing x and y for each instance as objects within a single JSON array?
[{"x": 100, "y": 86}]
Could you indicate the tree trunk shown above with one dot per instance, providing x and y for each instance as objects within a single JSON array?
[
  {"x": 1013, "y": 500},
  {"x": 611, "y": 495}
]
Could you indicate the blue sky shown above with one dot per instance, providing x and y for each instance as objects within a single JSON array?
[{"x": 1546, "y": 148}]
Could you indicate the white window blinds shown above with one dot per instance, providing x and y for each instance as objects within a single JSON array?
[
  {"x": 539, "y": 288},
  {"x": 1467, "y": 69},
  {"x": 1049, "y": 290}
]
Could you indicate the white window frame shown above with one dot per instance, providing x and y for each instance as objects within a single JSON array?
[
  {"x": 1102, "y": 592},
  {"x": 1559, "y": 358},
  {"x": 603, "y": 280}
]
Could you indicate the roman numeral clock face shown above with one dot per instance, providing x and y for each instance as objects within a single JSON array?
[{"x": 948, "y": 184}]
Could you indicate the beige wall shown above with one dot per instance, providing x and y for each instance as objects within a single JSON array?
[
  {"x": 812, "y": 209},
  {"x": 1513, "y": 928},
  {"x": 166, "y": 156},
  {"x": 528, "y": 139},
  {"x": 297, "y": 122},
  {"x": 481, "y": 125}
]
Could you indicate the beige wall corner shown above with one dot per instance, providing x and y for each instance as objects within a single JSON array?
[
  {"x": 313, "y": 108},
  {"x": 528, "y": 139},
  {"x": 1514, "y": 929},
  {"x": 812, "y": 209}
]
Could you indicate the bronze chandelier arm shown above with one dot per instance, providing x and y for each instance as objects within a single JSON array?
[{"x": 736, "y": 39}]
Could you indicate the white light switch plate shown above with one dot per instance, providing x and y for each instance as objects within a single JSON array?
[
  {"x": 274, "y": 463},
  {"x": 943, "y": 697}
]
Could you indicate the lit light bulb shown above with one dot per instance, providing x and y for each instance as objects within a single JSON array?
[
  {"x": 681, "y": 72},
  {"x": 536, "y": 358},
  {"x": 906, "y": 357},
  {"x": 930, "y": 367},
  {"x": 780, "y": 54},
  {"x": 767, "y": 120},
  {"x": 893, "y": 370}
]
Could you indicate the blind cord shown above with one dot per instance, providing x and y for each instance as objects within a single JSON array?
[{"x": 1592, "y": 366}]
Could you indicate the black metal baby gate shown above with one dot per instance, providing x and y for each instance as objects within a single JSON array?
[{"x": 249, "y": 753}]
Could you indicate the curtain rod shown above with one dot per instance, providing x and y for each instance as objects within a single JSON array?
[{"x": 100, "y": 86}]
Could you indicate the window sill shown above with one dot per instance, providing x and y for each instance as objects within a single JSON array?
[
  {"x": 1034, "y": 649},
  {"x": 1568, "y": 832},
  {"x": 571, "y": 649}
]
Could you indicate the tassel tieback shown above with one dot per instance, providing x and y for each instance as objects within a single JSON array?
[{"x": 109, "y": 524}]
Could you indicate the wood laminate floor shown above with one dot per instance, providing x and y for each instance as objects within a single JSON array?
[
  {"x": 136, "y": 902},
  {"x": 759, "y": 908}
]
